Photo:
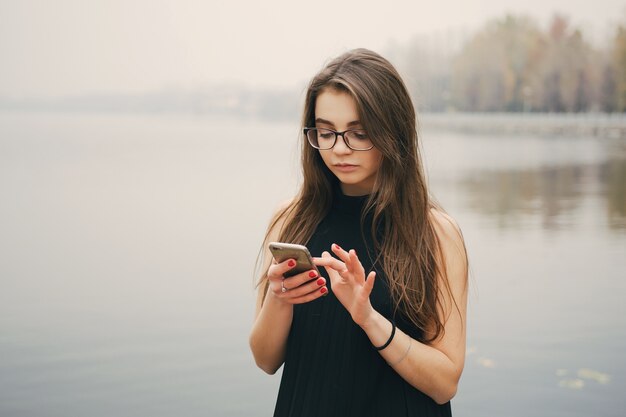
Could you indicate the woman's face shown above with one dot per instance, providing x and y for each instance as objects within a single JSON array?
[{"x": 356, "y": 170}]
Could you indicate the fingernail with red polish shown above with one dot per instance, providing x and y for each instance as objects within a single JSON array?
[
  {"x": 312, "y": 274},
  {"x": 337, "y": 246},
  {"x": 291, "y": 263},
  {"x": 323, "y": 290},
  {"x": 321, "y": 281}
]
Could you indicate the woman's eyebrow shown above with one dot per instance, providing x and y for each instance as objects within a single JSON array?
[{"x": 324, "y": 121}]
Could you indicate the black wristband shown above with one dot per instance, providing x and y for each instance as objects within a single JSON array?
[{"x": 393, "y": 333}]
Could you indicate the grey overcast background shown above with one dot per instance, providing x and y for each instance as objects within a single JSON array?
[{"x": 71, "y": 47}]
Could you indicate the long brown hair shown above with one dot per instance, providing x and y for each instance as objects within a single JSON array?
[{"x": 399, "y": 203}]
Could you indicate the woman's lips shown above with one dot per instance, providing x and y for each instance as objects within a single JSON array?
[{"x": 345, "y": 167}]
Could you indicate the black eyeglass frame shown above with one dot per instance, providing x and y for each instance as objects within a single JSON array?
[{"x": 337, "y": 134}]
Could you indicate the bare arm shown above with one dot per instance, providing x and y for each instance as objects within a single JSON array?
[
  {"x": 435, "y": 368},
  {"x": 274, "y": 308},
  {"x": 268, "y": 338}
]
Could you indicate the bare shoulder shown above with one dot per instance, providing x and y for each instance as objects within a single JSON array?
[
  {"x": 444, "y": 224},
  {"x": 451, "y": 242},
  {"x": 284, "y": 205},
  {"x": 282, "y": 213}
]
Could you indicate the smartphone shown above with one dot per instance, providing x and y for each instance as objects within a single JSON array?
[{"x": 283, "y": 251}]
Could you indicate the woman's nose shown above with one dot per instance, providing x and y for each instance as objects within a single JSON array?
[{"x": 341, "y": 146}]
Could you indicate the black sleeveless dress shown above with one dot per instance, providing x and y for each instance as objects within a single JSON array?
[{"x": 331, "y": 368}]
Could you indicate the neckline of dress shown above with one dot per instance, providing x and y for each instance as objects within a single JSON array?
[{"x": 348, "y": 203}]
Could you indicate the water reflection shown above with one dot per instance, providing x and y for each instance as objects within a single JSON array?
[
  {"x": 612, "y": 176},
  {"x": 553, "y": 194}
]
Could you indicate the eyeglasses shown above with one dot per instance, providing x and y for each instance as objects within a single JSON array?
[{"x": 323, "y": 139}]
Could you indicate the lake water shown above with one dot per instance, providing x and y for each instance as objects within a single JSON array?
[{"x": 127, "y": 250}]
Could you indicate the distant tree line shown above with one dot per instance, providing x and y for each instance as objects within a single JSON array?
[{"x": 512, "y": 65}]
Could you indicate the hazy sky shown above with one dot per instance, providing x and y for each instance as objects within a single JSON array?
[{"x": 67, "y": 47}]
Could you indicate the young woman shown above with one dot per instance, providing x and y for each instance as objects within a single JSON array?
[{"x": 382, "y": 331}]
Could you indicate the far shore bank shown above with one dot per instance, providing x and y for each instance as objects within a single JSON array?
[{"x": 601, "y": 125}]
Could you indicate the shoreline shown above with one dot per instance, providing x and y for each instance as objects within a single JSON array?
[
  {"x": 600, "y": 125},
  {"x": 597, "y": 125}
]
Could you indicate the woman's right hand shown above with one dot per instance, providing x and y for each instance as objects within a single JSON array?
[{"x": 301, "y": 288}]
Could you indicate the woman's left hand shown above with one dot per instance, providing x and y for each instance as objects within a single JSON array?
[{"x": 348, "y": 282}]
